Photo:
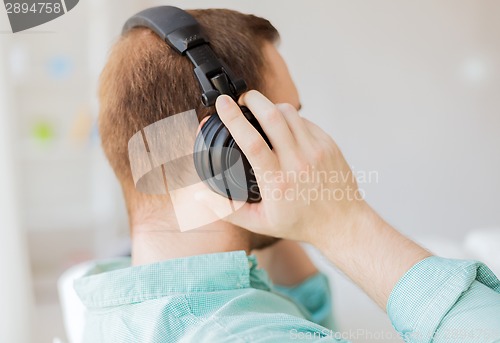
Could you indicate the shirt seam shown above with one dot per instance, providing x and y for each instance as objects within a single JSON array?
[
  {"x": 222, "y": 327},
  {"x": 232, "y": 334}
]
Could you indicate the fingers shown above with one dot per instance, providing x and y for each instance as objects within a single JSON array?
[
  {"x": 315, "y": 130},
  {"x": 295, "y": 123},
  {"x": 271, "y": 119},
  {"x": 202, "y": 122},
  {"x": 248, "y": 138}
]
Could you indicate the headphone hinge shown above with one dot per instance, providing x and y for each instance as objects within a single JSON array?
[{"x": 214, "y": 76}]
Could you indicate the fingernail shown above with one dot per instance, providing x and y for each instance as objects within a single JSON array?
[{"x": 223, "y": 101}]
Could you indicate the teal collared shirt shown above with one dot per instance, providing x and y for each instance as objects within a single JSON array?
[
  {"x": 220, "y": 297},
  {"x": 225, "y": 298}
]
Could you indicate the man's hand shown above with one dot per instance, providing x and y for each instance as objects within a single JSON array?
[
  {"x": 310, "y": 194},
  {"x": 304, "y": 180}
]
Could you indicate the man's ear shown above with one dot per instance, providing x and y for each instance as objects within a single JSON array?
[{"x": 202, "y": 122}]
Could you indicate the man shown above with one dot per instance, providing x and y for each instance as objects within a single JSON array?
[
  {"x": 222, "y": 297},
  {"x": 143, "y": 82}
]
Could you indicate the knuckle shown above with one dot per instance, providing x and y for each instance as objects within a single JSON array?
[
  {"x": 272, "y": 115},
  {"x": 306, "y": 122},
  {"x": 283, "y": 187},
  {"x": 255, "y": 146},
  {"x": 250, "y": 94},
  {"x": 297, "y": 161},
  {"x": 232, "y": 121},
  {"x": 301, "y": 165},
  {"x": 319, "y": 154},
  {"x": 286, "y": 108}
]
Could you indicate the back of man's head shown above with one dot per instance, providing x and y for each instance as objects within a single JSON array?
[{"x": 145, "y": 81}]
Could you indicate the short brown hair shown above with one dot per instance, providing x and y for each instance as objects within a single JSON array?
[{"x": 145, "y": 81}]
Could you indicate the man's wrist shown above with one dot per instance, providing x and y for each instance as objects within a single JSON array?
[
  {"x": 342, "y": 228},
  {"x": 369, "y": 251}
]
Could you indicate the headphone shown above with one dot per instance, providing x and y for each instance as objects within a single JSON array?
[{"x": 215, "y": 150}]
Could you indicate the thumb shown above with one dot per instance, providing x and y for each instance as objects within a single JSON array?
[{"x": 231, "y": 211}]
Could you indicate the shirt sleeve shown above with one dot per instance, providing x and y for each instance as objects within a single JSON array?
[
  {"x": 442, "y": 300},
  {"x": 313, "y": 297}
]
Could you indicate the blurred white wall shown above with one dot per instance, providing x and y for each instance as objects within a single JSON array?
[{"x": 16, "y": 305}]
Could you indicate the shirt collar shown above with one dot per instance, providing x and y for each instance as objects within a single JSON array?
[{"x": 114, "y": 283}]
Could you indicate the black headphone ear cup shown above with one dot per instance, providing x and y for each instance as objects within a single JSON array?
[
  {"x": 215, "y": 154},
  {"x": 202, "y": 162}
]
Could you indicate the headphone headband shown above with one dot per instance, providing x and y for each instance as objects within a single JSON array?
[{"x": 183, "y": 33}]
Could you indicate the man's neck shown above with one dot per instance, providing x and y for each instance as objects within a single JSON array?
[{"x": 158, "y": 242}]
